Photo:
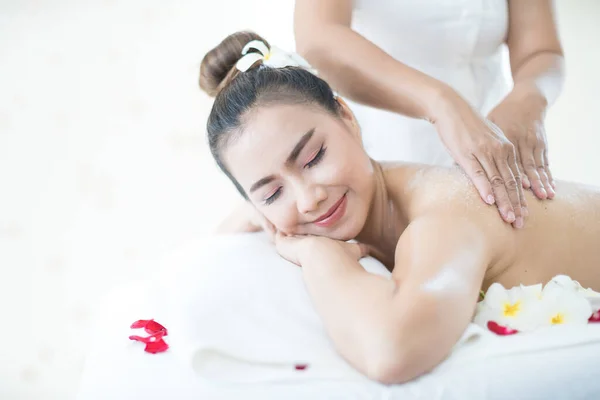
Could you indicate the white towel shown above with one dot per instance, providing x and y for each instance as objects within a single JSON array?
[{"x": 240, "y": 313}]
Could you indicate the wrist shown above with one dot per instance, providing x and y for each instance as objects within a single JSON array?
[
  {"x": 311, "y": 247},
  {"x": 528, "y": 92},
  {"x": 442, "y": 103}
]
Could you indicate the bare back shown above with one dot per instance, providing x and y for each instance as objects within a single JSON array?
[{"x": 561, "y": 236}]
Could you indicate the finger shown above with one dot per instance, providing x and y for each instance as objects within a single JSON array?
[
  {"x": 503, "y": 199},
  {"x": 538, "y": 156},
  {"x": 532, "y": 173},
  {"x": 364, "y": 250},
  {"x": 511, "y": 173},
  {"x": 358, "y": 250},
  {"x": 478, "y": 176},
  {"x": 285, "y": 247},
  {"x": 526, "y": 183},
  {"x": 548, "y": 172}
]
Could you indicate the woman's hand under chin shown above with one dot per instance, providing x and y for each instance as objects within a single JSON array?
[
  {"x": 296, "y": 248},
  {"x": 520, "y": 116}
]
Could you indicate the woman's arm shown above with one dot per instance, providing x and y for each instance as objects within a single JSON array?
[
  {"x": 536, "y": 55},
  {"x": 395, "y": 330},
  {"x": 537, "y": 65},
  {"x": 360, "y": 70}
]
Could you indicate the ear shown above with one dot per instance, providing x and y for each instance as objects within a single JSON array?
[{"x": 348, "y": 117}]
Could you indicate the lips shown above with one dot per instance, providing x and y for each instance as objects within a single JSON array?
[{"x": 334, "y": 214}]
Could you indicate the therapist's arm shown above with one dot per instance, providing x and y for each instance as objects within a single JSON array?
[
  {"x": 536, "y": 55},
  {"x": 537, "y": 65},
  {"x": 363, "y": 72},
  {"x": 356, "y": 67},
  {"x": 395, "y": 330}
]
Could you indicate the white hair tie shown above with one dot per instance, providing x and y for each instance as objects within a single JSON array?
[{"x": 273, "y": 57}]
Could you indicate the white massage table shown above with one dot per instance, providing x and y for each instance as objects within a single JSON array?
[{"x": 567, "y": 366}]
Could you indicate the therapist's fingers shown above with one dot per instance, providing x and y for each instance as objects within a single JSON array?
[
  {"x": 537, "y": 187},
  {"x": 540, "y": 162},
  {"x": 492, "y": 185},
  {"x": 526, "y": 183},
  {"x": 478, "y": 176},
  {"x": 505, "y": 186},
  {"x": 516, "y": 173},
  {"x": 548, "y": 171}
]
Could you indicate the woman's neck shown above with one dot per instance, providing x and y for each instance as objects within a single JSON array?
[{"x": 385, "y": 221}]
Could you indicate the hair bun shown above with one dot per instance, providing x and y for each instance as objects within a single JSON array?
[{"x": 218, "y": 65}]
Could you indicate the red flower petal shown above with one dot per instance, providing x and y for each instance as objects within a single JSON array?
[
  {"x": 595, "y": 317},
  {"x": 500, "y": 330},
  {"x": 140, "y": 323},
  {"x": 154, "y": 342},
  {"x": 148, "y": 339},
  {"x": 156, "y": 347},
  {"x": 153, "y": 327},
  {"x": 300, "y": 367},
  {"x": 139, "y": 338}
]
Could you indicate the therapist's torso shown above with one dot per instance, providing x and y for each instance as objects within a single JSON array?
[{"x": 459, "y": 42}]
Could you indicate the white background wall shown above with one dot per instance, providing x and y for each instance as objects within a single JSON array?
[{"x": 103, "y": 163}]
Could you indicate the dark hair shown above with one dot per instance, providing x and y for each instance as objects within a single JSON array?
[{"x": 238, "y": 92}]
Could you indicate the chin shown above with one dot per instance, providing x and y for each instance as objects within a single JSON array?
[
  {"x": 344, "y": 230},
  {"x": 356, "y": 218},
  {"x": 348, "y": 228}
]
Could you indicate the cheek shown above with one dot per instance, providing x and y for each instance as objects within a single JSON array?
[
  {"x": 351, "y": 168},
  {"x": 283, "y": 216}
]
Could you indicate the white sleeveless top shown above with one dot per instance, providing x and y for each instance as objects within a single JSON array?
[{"x": 459, "y": 42}]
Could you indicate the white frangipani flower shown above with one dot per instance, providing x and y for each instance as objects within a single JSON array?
[
  {"x": 562, "y": 305},
  {"x": 514, "y": 308},
  {"x": 574, "y": 286},
  {"x": 524, "y": 308},
  {"x": 273, "y": 57}
]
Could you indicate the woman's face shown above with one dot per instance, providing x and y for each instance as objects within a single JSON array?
[{"x": 304, "y": 169}]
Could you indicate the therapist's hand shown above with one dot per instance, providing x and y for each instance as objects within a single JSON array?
[
  {"x": 485, "y": 154},
  {"x": 521, "y": 117}
]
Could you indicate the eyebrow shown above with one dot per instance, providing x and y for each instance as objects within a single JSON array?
[{"x": 290, "y": 160}]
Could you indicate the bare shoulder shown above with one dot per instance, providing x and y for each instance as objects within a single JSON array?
[
  {"x": 440, "y": 243},
  {"x": 426, "y": 186},
  {"x": 446, "y": 215}
]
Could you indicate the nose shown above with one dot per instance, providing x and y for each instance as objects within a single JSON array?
[{"x": 309, "y": 197}]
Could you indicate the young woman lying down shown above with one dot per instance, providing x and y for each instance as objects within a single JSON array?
[{"x": 293, "y": 149}]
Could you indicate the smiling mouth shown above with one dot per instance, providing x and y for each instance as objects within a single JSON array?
[{"x": 334, "y": 214}]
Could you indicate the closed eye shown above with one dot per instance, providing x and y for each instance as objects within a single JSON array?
[
  {"x": 273, "y": 197},
  {"x": 317, "y": 158}
]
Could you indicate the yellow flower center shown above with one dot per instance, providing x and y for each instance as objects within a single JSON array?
[
  {"x": 558, "y": 319},
  {"x": 510, "y": 310},
  {"x": 267, "y": 56}
]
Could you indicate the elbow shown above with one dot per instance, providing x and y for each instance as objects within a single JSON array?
[
  {"x": 388, "y": 360},
  {"x": 305, "y": 37},
  {"x": 304, "y": 43},
  {"x": 312, "y": 43},
  {"x": 309, "y": 47},
  {"x": 401, "y": 358},
  {"x": 389, "y": 369}
]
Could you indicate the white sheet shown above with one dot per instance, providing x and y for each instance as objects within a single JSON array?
[{"x": 259, "y": 312}]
